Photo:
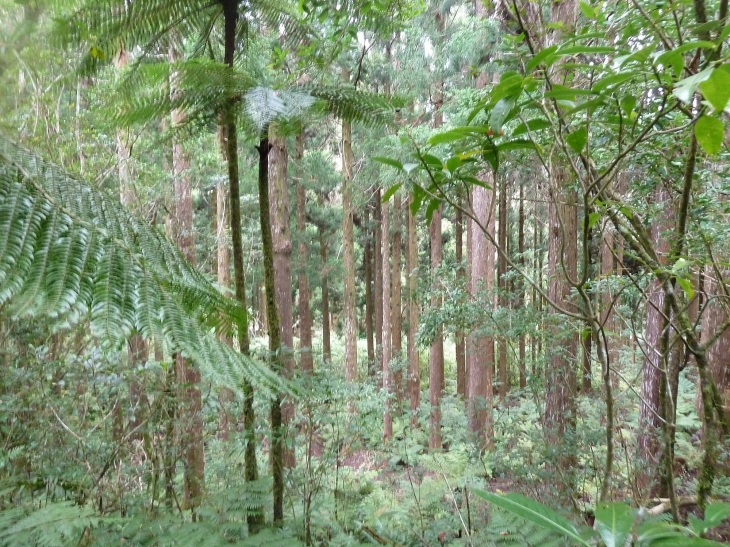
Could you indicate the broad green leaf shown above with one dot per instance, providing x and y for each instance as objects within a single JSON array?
[
  {"x": 691, "y": 46},
  {"x": 517, "y": 144},
  {"x": 499, "y": 113},
  {"x": 577, "y": 139},
  {"x": 533, "y": 125},
  {"x": 593, "y": 218},
  {"x": 475, "y": 181},
  {"x": 709, "y": 132},
  {"x": 686, "y": 285},
  {"x": 453, "y": 163},
  {"x": 418, "y": 194},
  {"x": 432, "y": 161},
  {"x": 388, "y": 161},
  {"x": 715, "y": 513},
  {"x": 541, "y": 56},
  {"x": 682, "y": 541},
  {"x": 562, "y": 92},
  {"x": 491, "y": 155},
  {"x": 510, "y": 85},
  {"x": 432, "y": 206},
  {"x": 585, "y": 50},
  {"x": 716, "y": 89},
  {"x": 614, "y": 521},
  {"x": 685, "y": 89},
  {"x": 724, "y": 33},
  {"x": 628, "y": 103},
  {"x": 457, "y": 134},
  {"x": 613, "y": 80},
  {"x": 390, "y": 191},
  {"x": 534, "y": 512},
  {"x": 587, "y": 10},
  {"x": 639, "y": 56},
  {"x": 672, "y": 59}
]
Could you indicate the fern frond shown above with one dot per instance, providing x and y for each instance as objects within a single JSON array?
[
  {"x": 345, "y": 102},
  {"x": 68, "y": 250},
  {"x": 56, "y": 524}
]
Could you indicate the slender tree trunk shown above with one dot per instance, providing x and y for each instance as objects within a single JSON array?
[
  {"x": 378, "y": 278},
  {"x": 187, "y": 374},
  {"x": 521, "y": 282},
  {"x": 460, "y": 342},
  {"x": 369, "y": 302},
  {"x": 250, "y": 464},
  {"x": 306, "y": 359},
  {"x": 481, "y": 348},
  {"x": 395, "y": 306},
  {"x": 324, "y": 251},
  {"x": 348, "y": 244},
  {"x": 222, "y": 267},
  {"x": 272, "y": 318},
  {"x": 281, "y": 238},
  {"x": 649, "y": 435},
  {"x": 414, "y": 366},
  {"x": 387, "y": 316},
  {"x": 436, "y": 354},
  {"x": 502, "y": 284}
]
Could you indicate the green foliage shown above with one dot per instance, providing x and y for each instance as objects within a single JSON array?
[
  {"x": 615, "y": 522},
  {"x": 71, "y": 253}
]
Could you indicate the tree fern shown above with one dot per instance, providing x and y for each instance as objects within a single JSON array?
[
  {"x": 68, "y": 251},
  {"x": 53, "y": 525}
]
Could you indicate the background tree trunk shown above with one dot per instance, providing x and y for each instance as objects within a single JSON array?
[
  {"x": 502, "y": 283},
  {"x": 395, "y": 306},
  {"x": 387, "y": 316},
  {"x": 414, "y": 367},
  {"x": 281, "y": 238},
  {"x": 460, "y": 272},
  {"x": 480, "y": 362},
  {"x": 191, "y": 425},
  {"x": 306, "y": 358}
]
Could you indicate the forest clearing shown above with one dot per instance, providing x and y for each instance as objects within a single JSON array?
[{"x": 366, "y": 272}]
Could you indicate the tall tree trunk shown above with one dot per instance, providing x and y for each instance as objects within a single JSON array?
[
  {"x": 272, "y": 319},
  {"x": 481, "y": 347},
  {"x": 369, "y": 302},
  {"x": 323, "y": 253},
  {"x": 460, "y": 272},
  {"x": 348, "y": 244},
  {"x": 306, "y": 359},
  {"x": 649, "y": 435},
  {"x": 378, "y": 279},
  {"x": 222, "y": 267},
  {"x": 414, "y": 366},
  {"x": 502, "y": 284},
  {"x": 395, "y": 306},
  {"x": 521, "y": 282},
  {"x": 387, "y": 316},
  {"x": 436, "y": 354},
  {"x": 250, "y": 465},
  {"x": 562, "y": 266},
  {"x": 187, "y": 374},
  {"x": 281, "y": 238},
  {"x": 137, "y": 351}
]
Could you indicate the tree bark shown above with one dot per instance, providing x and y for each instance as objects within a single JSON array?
[
  {"x": 378, "y": 278},
  {"x": 306, "y": 358},
  {"x": 323, "y": 253},
  {"x": 348, "y": 243},
  {"x": 369, "y": 301},
  {"x": 281, "y": 239},
  {"x": 414, "y": 366},
  {"x": 387, "y": 340},
  {"x": 521, "y": 282},
  {"x": 460, "y": 273},
  {"x": 272, "y": 318},
  {"x": 481, "y": 347},
  {"x": 250, "y": 465},
  {"x": 502, "y": 284},
  {"x": 187, "y": 375},
  {"x": 395, "y": 306}
]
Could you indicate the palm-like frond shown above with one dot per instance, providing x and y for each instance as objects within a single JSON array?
[
  {"x": 202, "y": 87},
  {"x": 68, "y": 251}
]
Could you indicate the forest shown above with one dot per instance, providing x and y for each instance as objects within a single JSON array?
[{"x": 364, "y": 272}]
